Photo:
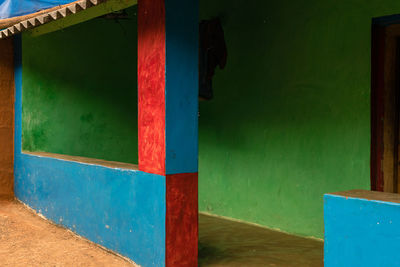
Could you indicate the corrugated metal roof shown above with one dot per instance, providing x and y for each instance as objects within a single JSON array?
[
  {"x": 14, "y": 8},
  {"x": 22, "y": 23}
]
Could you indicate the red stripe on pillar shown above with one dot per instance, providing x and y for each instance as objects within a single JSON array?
[
  {"x": 151, "y": 85},
  {"x": 181, "y": 220}
]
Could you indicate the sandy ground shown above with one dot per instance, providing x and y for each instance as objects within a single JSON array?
[{"x": 28, "y": 240}]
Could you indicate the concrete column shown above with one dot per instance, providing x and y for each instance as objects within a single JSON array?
[{"x": 168, "y": 108}]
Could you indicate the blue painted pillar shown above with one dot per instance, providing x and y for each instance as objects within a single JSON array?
[
  {"x": 168, "y": 110},
  {"x": 181, "y": 131}
]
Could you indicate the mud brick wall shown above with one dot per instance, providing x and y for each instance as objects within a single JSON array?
[{"x": 6, "y": 117}]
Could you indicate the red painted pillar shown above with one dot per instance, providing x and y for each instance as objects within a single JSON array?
[
  {"x": 151, "y": 85},
  {"x": 168, "y": 108}
]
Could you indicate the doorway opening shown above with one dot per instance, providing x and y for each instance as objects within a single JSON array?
[{"x": 385, "y": 105}]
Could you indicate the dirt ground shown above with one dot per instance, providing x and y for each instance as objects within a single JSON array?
[{"x": 28, "y": 240}]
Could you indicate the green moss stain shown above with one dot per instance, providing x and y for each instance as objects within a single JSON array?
[
  {"x": 80, "y": 90},
  {"x": 291, "y": 116}
]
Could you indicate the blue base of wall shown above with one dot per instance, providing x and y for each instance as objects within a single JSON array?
[
  {"x": 360, "y": 231},
  {"x": 123, "y": 210}
]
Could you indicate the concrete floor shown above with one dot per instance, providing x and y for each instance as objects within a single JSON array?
[
  {"x": 28, "y": 240},
  {"x": 226, "y": 243}
]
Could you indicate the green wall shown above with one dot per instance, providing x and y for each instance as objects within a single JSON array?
[
  {"x": 80, "y": 90},
  {"x": 291, "y": 116},
  {"x": 290, "y": 120}
]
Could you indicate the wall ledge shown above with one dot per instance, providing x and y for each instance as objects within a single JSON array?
[
  {"x": 90, "y": 161},
  {"x": 369, "y": 195}
]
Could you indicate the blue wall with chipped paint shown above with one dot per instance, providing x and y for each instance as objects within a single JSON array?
[
  {"x": 123, "y": 210},
  {"x": 361, "y": 232}
]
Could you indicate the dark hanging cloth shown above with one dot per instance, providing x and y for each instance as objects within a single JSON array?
[{"x": 213, "y": 53}]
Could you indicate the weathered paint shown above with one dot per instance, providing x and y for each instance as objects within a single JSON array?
[
  {"x": 93, "y": 200},
  {"x": 122, "y": 210},
  {"x": 112, "y": 207},
  {"x": 168, "y": 86},
  {"x": 6, "y": 117},
  {"x": 360, "y": 231},
  {"x": 151, "y": 85},
  {"x": 168, "y": 96},
  {"x": 181, "y": 86},
  {"x": 181, "y": 220},
  {"x": 290, "y": 118},
  {"x": 181, "y": 131},
  {"x": 280, "y": 131},
  {"x": 82, "y": 107}
]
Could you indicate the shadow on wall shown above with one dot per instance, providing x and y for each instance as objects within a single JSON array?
[
  {"x": 290, "y": 116},
  {"x": 80, "y": 90}
]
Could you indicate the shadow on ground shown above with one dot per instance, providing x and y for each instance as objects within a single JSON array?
[{"x": 228, "y": 243}]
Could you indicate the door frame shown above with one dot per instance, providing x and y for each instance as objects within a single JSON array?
[{"x": 384, "y": 100}]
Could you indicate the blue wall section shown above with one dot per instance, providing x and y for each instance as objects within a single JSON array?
[
  {"x": 181, "y": 92},
  {"x": 13, "y": 8},
  {"x": 123, "y": 210},
  {"x": 360, "y": 232}
]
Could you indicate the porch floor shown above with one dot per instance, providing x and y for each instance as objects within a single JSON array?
[
  {"x": 28, "y": 240},
  {"x": 226, "y": 243}
]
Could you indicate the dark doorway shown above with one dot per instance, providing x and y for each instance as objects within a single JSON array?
[{"x": 385, "y": 105}]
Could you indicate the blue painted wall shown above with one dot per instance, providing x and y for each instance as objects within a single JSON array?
[
  {"x": 123, "y": 210},
  {"x": 360, "y": 232}
]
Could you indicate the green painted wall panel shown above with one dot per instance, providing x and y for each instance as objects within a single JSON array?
[
  {"x": 291, "y": 116},
  {"x": 80, "y": 90}
]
